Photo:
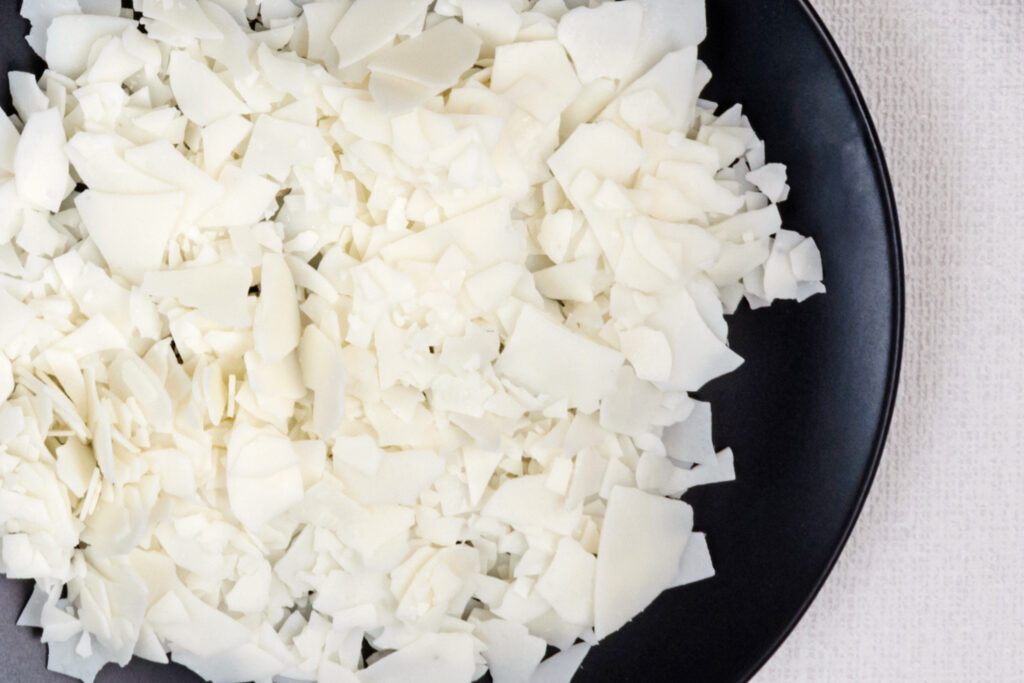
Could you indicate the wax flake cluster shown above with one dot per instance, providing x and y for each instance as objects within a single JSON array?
[{"x": 335, "y": 324}]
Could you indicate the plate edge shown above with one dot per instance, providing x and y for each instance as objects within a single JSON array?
[{"x": 898, "y": 304}]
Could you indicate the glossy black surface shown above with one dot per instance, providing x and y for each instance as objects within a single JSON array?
[{"x": 806, "y": 415}]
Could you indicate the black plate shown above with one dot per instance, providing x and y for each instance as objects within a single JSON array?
[{"x": 806, "y": 415}]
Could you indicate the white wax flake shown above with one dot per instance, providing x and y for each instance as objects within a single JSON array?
[
  {"x": 568, "y": 583},
  {"x": 561, "y": 667},
  {"x": 537, "y": 75},
  {"x": 400, "y": 478},
  {"x": 131, "y": 231},
  {"x": 201, "y": 95},
  {"x": 690, "y": 439},
  {"x": 75, "y": 465},
  {"x": 263, "y": 476},
  {"x": 9, "y": 136},
  {"x": 434, "y": 59},
  {"x": 431, "y": 658},
  {"x": 276, "y": 326},
  {"x": 528, "y": 502},
  {"x": 695, "y": 564},
  {"x": 276, "y": 146},
  {"x": 805, "y": 261},
  {"x": 769, "y": 179},
  {"x": 219, "y": 292},
  {"x": 496, "y": 22},
  {"x": 697, "y": 354},
  {"x": 71, "y": 37},
  {"x": 512, "y": 653},
  {"x": 372, "y": 24},
  {"x": 40, "y": 165},
  {"x": 6, "y": 378},
  {"x": 674, "y": 80},
  {"x": 26, "y": 96},
  {"x": 603, "y": 149},
  {"x": 636, "y": 524},
  {"x": 221, "y": 138},
  {"x": 323, "y": 371},
  {"x": 649, "y": 353},
  {"x": 351, "y": 321},
  {"x": 602, "y": 40},
  {"x": 548, "y": 358},
  {"x": 669, "y": 25},
  {"x": 248, "y": 198}
]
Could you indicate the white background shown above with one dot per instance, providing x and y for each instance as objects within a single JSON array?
[{"x": 931, "y": 587}]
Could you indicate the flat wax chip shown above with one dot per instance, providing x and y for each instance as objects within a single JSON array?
[
  {"x": 495, "y": 21},
  {"x": 770, "y": 179},
  {"x": 561, "y": 667},
  {"x": 40, "y": 164},
  {"x": 245, "y": 662},
  {"x": 528, "y": 502},
  {"x": 370, "y": 25},
  {"x": 548, "y": 358},
  {"x": 130, "y": 230},
  {"x": 572, "y": 281},
  {"x": 543, "y": 63},
  {"x": 604, "y": 149},
  {"x": 431, "y": 658},
  {"x": 6, "y": 378},
  {"x": 9, "y": 137},
  {"x": 75, "y": 464},
  {"x": 805, "y": 260},
  {"x": 98, "y": 158},
  {"x": 394, "y": 95},
  {"x": 276, "y": 146},
  {"x": 263, "y": 480},
  {"x": 649, "y": 352},
  {"x": 631, "y": 407},
  {"x": 698, "y": 356},
  {"x": 690, "y": 440},
  {"x": 399, "y": 479},
  {"x": 323, "y": 371},
  {"x": 479, "y": 465},
  {"x": 512, "y": 653},
  {"x": 26, "y": 96},
  {"x": 71, "y": 37},
  {"x": 668, "y": 25},
  {"x": 221, "y": 138},
  {"x": 276, "y": 327},
  {"x": 161, "y": 160},
  {"x": 750, "y": 224},
  {"x": 219, "y": 292},
  {"x": 434, "y": 59},
  {"x": 486, "y": 235},
  {"x": 568, "y": 582},
  {"x": 602, "y": 40},
  {"x": 201, "y": 95},
  {"x": 695, "y": 564},
  {"x": 248, "y": 198},
  {"x": 636, "y": 525},
  {"x": 675, "y": 80}
]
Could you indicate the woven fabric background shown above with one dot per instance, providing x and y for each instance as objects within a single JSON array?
[{"x": 931, "y": 586}]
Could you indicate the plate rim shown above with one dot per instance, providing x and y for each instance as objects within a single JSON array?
[{"x": 897, "y": 274}]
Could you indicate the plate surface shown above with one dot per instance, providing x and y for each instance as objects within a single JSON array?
[{"x": 806, "y": 415}]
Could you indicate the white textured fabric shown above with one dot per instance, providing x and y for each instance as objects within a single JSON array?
[{"x": 931, "y": 586}]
